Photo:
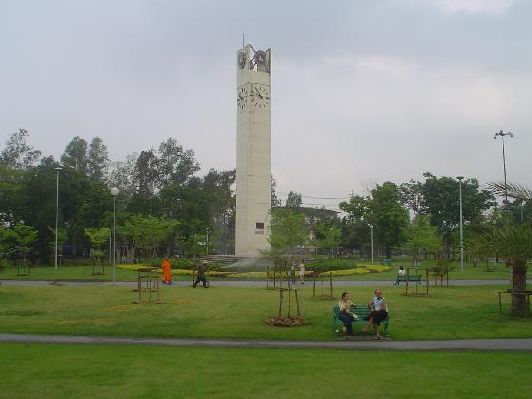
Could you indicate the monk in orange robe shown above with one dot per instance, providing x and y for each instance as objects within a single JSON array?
[{"x": 167, "y": 271}]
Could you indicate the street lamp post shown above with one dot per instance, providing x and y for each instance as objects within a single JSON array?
[
  {"x": 114, "y": 193},
  {"x": 371, "y": 228},
  {"x": 501, "y": 134},
  {"x": 461, "y": 225},
  {"x": 57, "y": 170}
]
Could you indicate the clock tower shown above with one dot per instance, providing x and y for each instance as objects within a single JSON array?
[{"x": 253, "y": 152}]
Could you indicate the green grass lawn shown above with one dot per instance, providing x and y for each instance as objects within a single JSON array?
[
  {"x": 96, "y": 371},
  {"x": 82, "y": 273},
  {"x": 240, "y": 312}
]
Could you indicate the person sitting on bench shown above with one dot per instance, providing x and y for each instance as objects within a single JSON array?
[
  {"x": 379, "y": 312},
  {"x": 202, "y": 269},
  {"x": 345, "y": 315}
]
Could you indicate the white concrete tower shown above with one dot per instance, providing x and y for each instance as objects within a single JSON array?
[{"x": 253, "y": 152}]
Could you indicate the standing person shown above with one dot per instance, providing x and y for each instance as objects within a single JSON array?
[
  {"x": 345, "y": 315},
  {"x": 293, "y": 273},
  {"x": 202, "y": 269},
  {"x": 400, "y": 275},
  {"x": 166, "y": 267},
  {"x": 379, "y": 312},
  {"x": 302, "y": 272}
]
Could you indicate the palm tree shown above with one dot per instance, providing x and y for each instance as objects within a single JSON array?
[{"x": 513, "y": 242}]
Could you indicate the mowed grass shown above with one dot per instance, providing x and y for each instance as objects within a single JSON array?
[
  {"x": 81, "y": 273},
  {"x": 240, "y": 312},
  {"x": 96, "y": 371}
]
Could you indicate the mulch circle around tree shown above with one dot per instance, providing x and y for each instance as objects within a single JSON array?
[{"x": 286, "y": 321}]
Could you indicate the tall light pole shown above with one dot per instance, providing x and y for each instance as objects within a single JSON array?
[
  {"x": 461, "y": 225},
  {"x": 114, "y": 193},
  {"x": 371, "y": 228},
  {"x": 57, "y": 170},
  {"x": 501, "y": 134}
]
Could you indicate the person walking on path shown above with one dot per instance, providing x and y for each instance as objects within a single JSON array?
[
  {"x": 401, "y": 273},
  {"x": 200, "y": 277},
  {"x": 302, "y": 272},
  {"x": 166, "y": 267}
]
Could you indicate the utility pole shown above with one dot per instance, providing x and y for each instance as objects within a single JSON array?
[
  {"x": 461, "y": 225},
  {"x": 501, "y": 134}
]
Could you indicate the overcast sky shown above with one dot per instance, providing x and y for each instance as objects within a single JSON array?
[{"x": 362, "y": 91}]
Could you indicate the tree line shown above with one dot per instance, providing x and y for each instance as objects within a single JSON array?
[{"x": 164, "y": 207}]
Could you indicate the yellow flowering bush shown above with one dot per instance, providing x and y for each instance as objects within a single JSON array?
[
  {"x": 250, "y": 275},
  {"x": 347, "y": 272},
  {"x": 378, "y": 268}
]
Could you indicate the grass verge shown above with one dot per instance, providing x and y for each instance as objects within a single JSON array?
[
  {"x": 240, "y": 312},
  {"x": 83, "y": 371}
]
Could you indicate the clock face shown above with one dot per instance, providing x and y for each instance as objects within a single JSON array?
[
  {"x": 260, "y": 95},
  {"x": 242, "y": 97}
]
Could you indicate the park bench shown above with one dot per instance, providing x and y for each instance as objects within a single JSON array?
[
  {"x": 362, "y": 311},
  {"x": 416, "y": 278}
]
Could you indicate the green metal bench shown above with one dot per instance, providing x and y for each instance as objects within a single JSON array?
[
  {"x": 363, "y": 316},
  {"x": 410, "y": 278}
]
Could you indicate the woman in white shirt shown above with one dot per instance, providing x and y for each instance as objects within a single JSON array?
[{"x": 379, "y": 312}]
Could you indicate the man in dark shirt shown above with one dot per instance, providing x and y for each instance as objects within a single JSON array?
[{"x": 202, "y": 269}]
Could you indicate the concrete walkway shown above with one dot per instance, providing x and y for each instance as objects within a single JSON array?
[
  {"x": 246, "y": 283},
  {"x": 362, "y": 343}
]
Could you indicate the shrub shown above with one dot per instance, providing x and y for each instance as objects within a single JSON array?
[
  {"x": 348, "y": 272},
  {"x": 250, "y": 275},
  {"x": 377, "y": 268}
]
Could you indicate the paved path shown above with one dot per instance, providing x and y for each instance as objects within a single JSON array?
[
  {"x": 248, "y": 283},
  {"x": 362, "y": 343}
]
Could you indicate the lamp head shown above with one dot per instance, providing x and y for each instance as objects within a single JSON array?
[{"x": 115, "y": 191}]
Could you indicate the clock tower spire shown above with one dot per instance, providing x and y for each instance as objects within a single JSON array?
[{"x": 253, "y": 151}]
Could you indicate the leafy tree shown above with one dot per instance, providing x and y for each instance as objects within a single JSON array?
[
  {"x": 17, "y": 153},
  {"x": 98, "y": 159},
  {"x": 6, "y": 242},
  {"x": 388, "y": 216},
  {"x": 38, "y": 205},
  {"x": 98, "y": 238},
  {"x": 355, "y": 230},
  {"x": 411, "y": 195},
  {"x": 328, "y": 237},
  {"x": 294, "y": 200},
  {"x": 440, "y": 201},
  {"x": 18, "y": 241},
  {"x": 148, "y": 234},
  {"x": 12, "y": 198},
  {"x": 122, "y": 176},
  {"x": 382, "y": 209},
  {"x": 289, "y": 231},
  {"x": 421, "y": 236},
  {"x": 175, "y": 165},
  {"x": 94, "y": 206},
  {"x": 75, "y": 155},
  {"x": 275, "y": 201},
  {"x": 146, "y": 174}
]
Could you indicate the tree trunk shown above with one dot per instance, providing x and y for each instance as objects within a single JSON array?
[{"x": 519, "y": 301}]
